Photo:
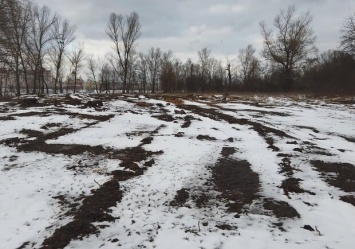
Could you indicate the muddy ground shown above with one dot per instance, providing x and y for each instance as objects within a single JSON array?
[{"x": 239, "y": 186}]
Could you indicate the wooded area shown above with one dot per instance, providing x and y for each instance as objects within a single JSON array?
[{"x": 37, "y": 56}]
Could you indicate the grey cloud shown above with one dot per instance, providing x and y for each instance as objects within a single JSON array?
[{"x": 186, "y": 26}]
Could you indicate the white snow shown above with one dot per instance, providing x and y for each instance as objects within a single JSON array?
[{"x": 145, "y": 218}]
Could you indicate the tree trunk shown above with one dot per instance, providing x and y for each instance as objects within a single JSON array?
[
  {"x": 34, "y": 90},
  {"x": 74, "y": 81},
  {"x": 287, "y": 80},
  {"x": 17, "y": 75}
]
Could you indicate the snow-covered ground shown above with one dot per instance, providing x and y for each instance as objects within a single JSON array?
[{"x": 38, "y": 185}]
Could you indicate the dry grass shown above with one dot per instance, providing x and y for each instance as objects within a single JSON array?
[
  {"x": 144, "y": 104},
  {"x": 174, "y": 100}
]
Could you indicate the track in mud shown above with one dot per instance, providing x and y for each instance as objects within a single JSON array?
[
  {"x": 237, "y": 184},
  {"x": 93, "y": 208}
]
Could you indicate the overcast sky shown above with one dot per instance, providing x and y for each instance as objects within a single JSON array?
[{"x": 186, "y": 26}]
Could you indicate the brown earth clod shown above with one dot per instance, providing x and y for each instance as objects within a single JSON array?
[{"x": 236, "y": 181}]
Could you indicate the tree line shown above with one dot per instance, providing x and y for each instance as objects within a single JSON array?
[{"x": 34, "y": 41}]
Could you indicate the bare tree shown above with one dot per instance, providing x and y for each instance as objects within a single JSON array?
[
  {"x": 124, "y": 32},
  {"x": 249, "y": 64},
  {"x": 13, "y": 33},
  {"x": 293, "y": 41},
  {"x": 203, "y": 56},
  {"x": 347, "y": 39},
  {"x": 154, "y": 60},
  {"x": 76, "y": 57},
  {"x": 216, "y": 74},
  {"x": 132, "y": 76},
  {"x": 143, "y": 71},
  {"x": 104, "y": 75},
  {"x": 63, "y": 35},
  {"x": 37, "y": 43},
  {"x": 93, "y": 67}
]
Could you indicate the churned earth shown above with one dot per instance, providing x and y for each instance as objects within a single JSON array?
[{"x": 188, "y": 171}]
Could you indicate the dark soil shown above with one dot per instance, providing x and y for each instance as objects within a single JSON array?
[
  {"x": 100, "y": 118},
  {"x": 149, "y": 163},
  {"x": 50, "y": 125},
  {"x": 30, "y": 114},
  {"x": 286, "y": 167},
  {"x": 349, "y": 139},
  {"x": 66, "y": 149},
  {"x": 291, "y": 185},
  {"x": 308, "y": 227},
  {"x": 308, "y": 147},
  {"x": 226, "y": 227},
  {"x": 228, "y": 151},
  {"x": 6, "y": 118},
  {"x": 238, "y": 184},
  {"x": 71, "y": 101},
  {"x": 179, "y": 111},
  {"x": 340, "y": 175},
  {"x": 135, "y": 154},
  {"x": 147, "y": 140},
  {"x": 95, "y": 208},
  {"x": 24, "y": 245},
  {"x": 127, "y": 164},
  {"x": 270, "y": 141},
  {"x": 122, "y": 175},
  {"x": 201, "y": 200},
  {"x": 180, "y": 198},
  {"x": 260, "y": 112},
  {"x": 179, "y": 134},
  {"x": 156, "y": 131},
  {"x": 264, "y": 131},
  {"x": 144, "y": 104},
  {"x": 281, "y": 209},
  {"x": 206, "y": 137},
  {"x": 308, "y": 128},
  {"x": 94, "y": 104},
  {"x": 31, "y": 133},
  {"x": 164, "y": 117},
  {"x": 12, "y": 142},
  {"x": 187, "y": 122},
  {"x": 349, "y": 199},
  {"x": 29, "y": 102}
]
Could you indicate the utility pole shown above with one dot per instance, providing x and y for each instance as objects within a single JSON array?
[{"x": 229, "y": 76}]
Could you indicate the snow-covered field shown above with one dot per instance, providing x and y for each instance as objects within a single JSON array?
[{"x": 146, "y": 173}]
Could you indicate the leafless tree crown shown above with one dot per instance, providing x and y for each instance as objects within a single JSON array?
[
  {"x": 347, "y": 39},
  {"x": 123, "y": 32},
  {"x": 293, "y": 41}
]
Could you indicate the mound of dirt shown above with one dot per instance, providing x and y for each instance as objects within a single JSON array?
[
  {"x": 164, "y": 117},
  {"x": 206, "y": 137},
  {"x": 236, "y": 181},
  {"x": 6, "y": 118},
  {"x": 180, "y": 198},
  {"x": 94, "y": 104},
  {"x": 95, "y": 208},
  {"x": 340, "y": 175},
  {"x": 29, "y": 102},
  {"x": 281, "y": 209},
  {"x": 293, "y": 185},
  {"x": 349, "y": 199},
  {"x": 228, "y": 151}
]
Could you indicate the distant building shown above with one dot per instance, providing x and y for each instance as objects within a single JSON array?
[
  {"x": 79, "y": 87},
  {"x": 8, "y": 80}
]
